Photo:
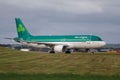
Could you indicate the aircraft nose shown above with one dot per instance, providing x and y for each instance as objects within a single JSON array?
[{"x": 103, "y": 43}]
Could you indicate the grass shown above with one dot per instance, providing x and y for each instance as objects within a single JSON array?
[
  {"x": 44, "y": 66},
  {"x": 13, "y": 76}
]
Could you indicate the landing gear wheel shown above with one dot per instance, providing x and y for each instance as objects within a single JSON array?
[
  {"x": 52, "y": 52},
  {"x": 92, "y": 51},
  {"x": 68, "y": 52}
]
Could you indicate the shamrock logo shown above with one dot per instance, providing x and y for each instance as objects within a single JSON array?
[{"x": 21, "y": 28}]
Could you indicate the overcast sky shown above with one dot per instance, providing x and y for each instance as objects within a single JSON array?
[{"x": 58, "y": 17}]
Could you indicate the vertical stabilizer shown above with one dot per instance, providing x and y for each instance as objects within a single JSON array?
[{"x": 21, "y": 30}]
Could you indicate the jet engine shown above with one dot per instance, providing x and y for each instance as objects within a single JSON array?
[{"x": 59, "y": 48}]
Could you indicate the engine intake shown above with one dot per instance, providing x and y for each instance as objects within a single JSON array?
[{"x": 59, "y": 48}]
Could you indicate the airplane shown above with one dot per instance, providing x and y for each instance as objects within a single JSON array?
[{"x": 56, "y": 43}]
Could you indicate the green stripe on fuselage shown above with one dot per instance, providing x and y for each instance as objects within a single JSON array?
[{"x": 66, "y": 38}]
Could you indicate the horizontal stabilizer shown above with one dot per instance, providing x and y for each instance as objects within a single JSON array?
[{"x": 9, "y": 38}]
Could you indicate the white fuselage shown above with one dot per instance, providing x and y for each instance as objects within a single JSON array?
[{"x": 87, "y": 44}]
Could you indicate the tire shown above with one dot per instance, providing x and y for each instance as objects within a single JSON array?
[
  {"x": 52, "y": 52},
  {"x": 67, "y": 52}
]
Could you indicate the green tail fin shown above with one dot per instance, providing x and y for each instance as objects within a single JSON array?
[{"x": 21, "y": 30}]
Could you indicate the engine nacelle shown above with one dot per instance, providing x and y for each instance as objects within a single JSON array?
[{"x": 59, "y": 48}]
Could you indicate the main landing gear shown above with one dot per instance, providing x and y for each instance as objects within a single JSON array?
[
  {"x": 91, "y": 51},
  {"x": 51, "y": 51},
  {"x": 67, "y": 51}
]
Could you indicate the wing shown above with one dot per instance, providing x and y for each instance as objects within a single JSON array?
[{"x": 47, "y": 44}]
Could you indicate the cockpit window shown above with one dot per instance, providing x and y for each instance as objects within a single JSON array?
[
  {"x": 99, "y": 39},
  {"x": 95, "y": 38}
]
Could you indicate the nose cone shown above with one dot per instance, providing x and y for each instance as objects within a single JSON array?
[{"x": 103, "y": 43}]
